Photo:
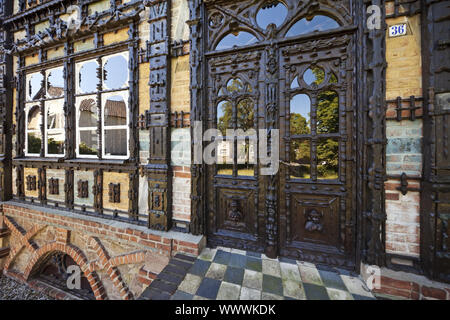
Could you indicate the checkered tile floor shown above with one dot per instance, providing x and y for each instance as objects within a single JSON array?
[{"x": 228, "y": 274}]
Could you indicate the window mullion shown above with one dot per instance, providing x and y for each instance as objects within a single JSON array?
[
  {"x": 43, "y": 115},
  {"x": 99, "y": 108}
]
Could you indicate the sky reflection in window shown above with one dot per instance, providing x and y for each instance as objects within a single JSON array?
[
  {"x": 318, "y": 23},
  {"x": 241, "y": 39}
]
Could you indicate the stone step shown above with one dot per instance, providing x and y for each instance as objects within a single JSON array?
[
  {"x": 4, "y": 252},
  {"x": 4, "y": 232}
]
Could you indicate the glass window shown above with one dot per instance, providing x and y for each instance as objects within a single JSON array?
[
  {"x": 33, "y": 129},
  {"x": 328, "y": 112},
  {"x": 112, "y": 108},
  {"x": 236, "y": 39},
  {"x": 275, "y": 12},
  {"x": 46, "y": 89},
  {"x": 328, "y": 159},
  {"x": 317, "y": 23},
  {"x": 300, "y": 114}
]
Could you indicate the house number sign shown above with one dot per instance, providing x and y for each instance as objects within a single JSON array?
[{"x": 397, "y": 30}]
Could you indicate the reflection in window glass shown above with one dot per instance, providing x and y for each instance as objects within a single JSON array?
[
  {"x": 327, "y": 159},
  {"x": 88, "y": 113},
  {"x": 333, "y": 78},
  {"x": 318, "y": 23},
  {"x": 55, "y": 126},
  {"x": 245, "y": 115},
  {"x": 87, "y": 77},
  {"x": 88, "y": 143},
  {"x": 55, "y": 83},
  {"x": 314, "y": 76},
  {"x": 115, "y": 111},
  {"x": 115, "y": 124},
  {"x": 116, "y": 142},
  {"x": 34, "y": 82},
  {"x": 115, "y": 72},
  {"x": 238, "y": 39},
  {"x": 34, "y": 134},
  {"x": 224, "y": 157},
  {"x": 300, "y": 114},
  {"x": 275, "y": 12},
  {"x": 300, "y": 159},
  {"x": 224, "y": 116},
  {"x": 328, "y": 112},
  {"x": 235, "y": 85},
  {"x": 294, "y": 84},
  {"x": 246, "y": 158}
]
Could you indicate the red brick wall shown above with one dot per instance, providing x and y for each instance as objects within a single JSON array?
[{"x": 119, "y": 260}]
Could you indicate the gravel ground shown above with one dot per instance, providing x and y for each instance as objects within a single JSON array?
[{"x": 13, "y": 290}]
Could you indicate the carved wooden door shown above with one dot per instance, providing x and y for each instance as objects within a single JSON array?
[
  {"x": 233, "y": 183},
  {"x": 317, "y": 176},
  {"x": 267, "y": 68}
]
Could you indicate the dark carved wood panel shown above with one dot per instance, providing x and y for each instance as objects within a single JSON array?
[{"x": 435, "y": 200}]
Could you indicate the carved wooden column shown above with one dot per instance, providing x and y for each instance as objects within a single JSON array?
[
  {"x": 158, "y": 169},
  {"x": 197, "y": 225},
  {"x": 272, "y": 107},
  {"x": 6, "y": 101},
  {"x": 133, "y": 102},
  {"x": 372, "y": 87}
]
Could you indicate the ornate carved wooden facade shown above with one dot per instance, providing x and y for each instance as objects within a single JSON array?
[{"x": 334, "y": 215}]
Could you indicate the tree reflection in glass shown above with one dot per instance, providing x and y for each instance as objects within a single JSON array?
[
  {"x": 34, "y": 134},
  {"x": 300, "y": 114},
  {"x": 328, "y": 159},
  {"x": 300, "y": 159}
]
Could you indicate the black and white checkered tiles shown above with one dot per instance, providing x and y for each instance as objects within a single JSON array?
[{"x": 228, "y": 274}]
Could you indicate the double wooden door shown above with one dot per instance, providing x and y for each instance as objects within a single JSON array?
[{"x": 301, "y": 95}]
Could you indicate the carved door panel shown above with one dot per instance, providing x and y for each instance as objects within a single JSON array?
[
  {"x": 317, "y": 122},
  {"x": 233, "y": 186}
]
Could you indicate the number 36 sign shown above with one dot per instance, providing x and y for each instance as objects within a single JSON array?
[{"x": 398, "y": 30}]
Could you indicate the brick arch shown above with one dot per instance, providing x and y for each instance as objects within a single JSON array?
[{"x": 77, "y": 255}]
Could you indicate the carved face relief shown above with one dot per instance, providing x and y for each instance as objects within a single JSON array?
[
  {"x": 313, "y": 221},
  {"x": 234, "y": 213}
]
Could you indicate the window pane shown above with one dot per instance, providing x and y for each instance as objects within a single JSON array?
[
  {"x": 115, "y": 71},
  {"x": 34, "y": 83},
  {"x": 300, "y": 162},
  {"x": 315, "y": 76},
  {"x": 87, "y": 77},
  {"x": 245, "y": 115},
  {"x": 318, "y": 23},
  {"x": 224, "y": 116},
  {"x": 55, "y": 126},
  {"x": 116, "y": 142},
  {"x": 115, "y": 111},
  {"x": 55, "y": 83},
  {"x": 275, "y": 12},
  {"x": 34, "y": 142},
  {"x": 300, "y": 114},
  {"x": 88, "y": 142},
  {"x": 235, "y": 85},
  {"x": 87, "y": 112},
  {"x": 246, "y": 158},
  {"x": 34, "y": 118},
  {"x": 328, "y": 159},
  {"x": 237, "y": 39},
  {"x": 224, "y": 158},
  {"x": 328, "y": 112}
]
